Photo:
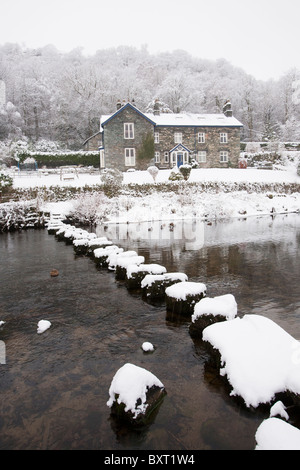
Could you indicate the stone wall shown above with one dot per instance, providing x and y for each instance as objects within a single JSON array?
[
  {"x": 115, "y": 143},
  {"x": 211, "y": 146}
]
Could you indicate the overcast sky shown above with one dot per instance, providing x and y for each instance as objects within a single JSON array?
[{"x": 260, "y": 36}]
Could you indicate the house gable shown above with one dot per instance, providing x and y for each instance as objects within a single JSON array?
[
  {"x": 121, "y": 110},
  {"x": 124, "y": 134}
]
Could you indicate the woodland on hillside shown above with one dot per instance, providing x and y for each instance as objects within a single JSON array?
[{"x": 59, "y": 97}]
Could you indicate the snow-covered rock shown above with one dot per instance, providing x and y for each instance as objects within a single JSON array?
[
  {"x": 257, "y": 356},
  {"x": 134, "y": 392},
  {"x": 136, "y": 273},
  {"x": 115, "y": 257},
  {"x": 212, "y": 309},
  {"x": 147, "y": 346},
  {"x": 43, "y": 325},
  {"x": 182, "y": 296},
  {"x": 154, "y": 285},
  {"x": 278, "y": 409},
  {"x": 101, "y": 255},
  {"x": 124, "y": 261},
  {"x": 276, "y": 434}
]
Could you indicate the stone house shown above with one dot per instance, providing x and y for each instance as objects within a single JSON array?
[{"x": 212, "y": 140}]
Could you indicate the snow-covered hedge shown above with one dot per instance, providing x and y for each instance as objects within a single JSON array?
[
  {"x": 61, "y": 158},
  {"x": 5, "y": 182}
]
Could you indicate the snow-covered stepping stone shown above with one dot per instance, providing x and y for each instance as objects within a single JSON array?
[
  {"x": 210, "y": 310},
  {"x": 154, "y": 285},
  {"x": 182, "y": 296},
  {"x": 136, "y": 273},
  {"x": 100, "y": 242},
  {"x": 258, "y": 357},
  {"x": 134, "y": 393},
  {"x": 123, "y": 262},
  {"x": 276, "y": 434},
  {"x": 101, "y": 255}
]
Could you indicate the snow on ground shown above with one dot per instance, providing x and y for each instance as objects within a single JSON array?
[
  {"x": 221, "y": 175},
  {"x": 187, "y": 203}
]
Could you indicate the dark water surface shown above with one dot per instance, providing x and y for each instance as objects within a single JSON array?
[{"x": 54, "y": 386}]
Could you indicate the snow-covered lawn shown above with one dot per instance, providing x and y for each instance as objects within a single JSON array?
[{"x": 226, "y": 175}]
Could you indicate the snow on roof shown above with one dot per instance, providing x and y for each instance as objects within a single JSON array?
[
  {"x": 182, "y": 119},
  {"x": 224, "y": 305},
  {"x": 131, "y": 383},
  {"x": 260, "y": 358},
  {"x": 194, "y": 120}
]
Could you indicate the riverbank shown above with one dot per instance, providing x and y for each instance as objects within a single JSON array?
[{"x": 209, "y": 194}]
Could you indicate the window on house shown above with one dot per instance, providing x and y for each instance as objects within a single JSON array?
[
  {"x": 156, "y": 137},
  {"x": 166, "y": 157},
  {"x": 174, "y": 158},
  {"x": 157, "y": 157},
  {"x": 128, "y": 130},
  {"x": 178, "y": 137},
  {"x": 201, "y": 137},
  {"x": 223, "y": 157},
  {"x": 223, "y": 138},
  {"x": 130, "y": 157},
  {"x": 201, "y": 157}
]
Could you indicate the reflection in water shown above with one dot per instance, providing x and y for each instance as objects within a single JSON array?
[{"x": 54, "y": 386}]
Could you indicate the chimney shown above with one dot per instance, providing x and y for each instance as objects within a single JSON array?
[
  {"x": 118, "y": 104},
  {"x": 156, "y": 109},
  {"x": 227, "y": 109}
]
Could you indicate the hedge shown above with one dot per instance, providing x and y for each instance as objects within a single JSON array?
[{"x": 56, "y": 159}]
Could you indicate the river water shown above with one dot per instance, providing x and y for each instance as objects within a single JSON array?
[{"x": 54, "y": 386}]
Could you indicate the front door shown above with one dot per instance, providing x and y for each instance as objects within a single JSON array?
[{"x": 179, "y": 159}]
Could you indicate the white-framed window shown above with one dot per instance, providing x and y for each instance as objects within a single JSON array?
[
  {"x": 223, "y": 137},
  {"x": 130, "y": 157},
  {"x": 102, "y": 159},
  {"x": 128, "y": 130},
  {"x": 201, "y": 137},
  {"x": 201, "y": 156},
  {"x": 156, "y": 137},
  {"x": 223, "y": 156},
  {"x": 185, "y": 157},
  {"x": 166, "y": 157},
  {"x": 174, "y": 158},
  {"x": 157, "y": 157},
  {"x": 178, "y": 137}
]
